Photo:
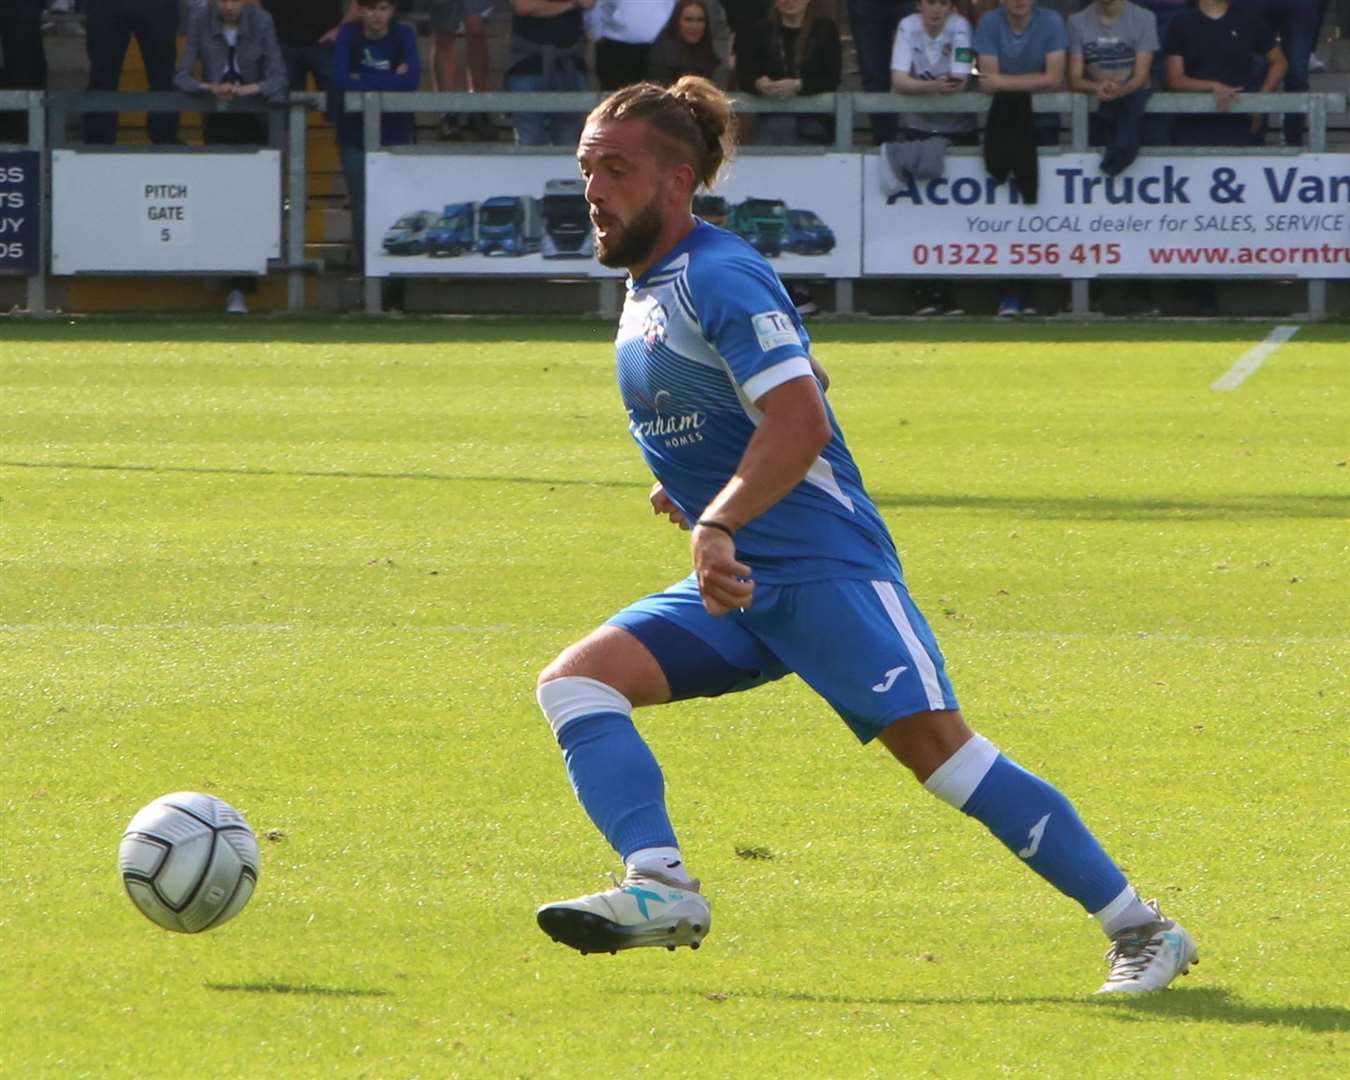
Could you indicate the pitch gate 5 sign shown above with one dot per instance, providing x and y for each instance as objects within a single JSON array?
[{"x": 20, "y": 212}]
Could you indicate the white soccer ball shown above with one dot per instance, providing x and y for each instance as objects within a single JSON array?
[{"x": 189, "y": 861}]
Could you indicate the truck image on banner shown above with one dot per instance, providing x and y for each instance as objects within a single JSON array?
[
  {"x": 526, "y": 214},
  {"x": 567, "y": 221}
]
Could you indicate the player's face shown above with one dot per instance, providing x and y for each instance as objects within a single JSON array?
[{"x": 627, "y": 190}]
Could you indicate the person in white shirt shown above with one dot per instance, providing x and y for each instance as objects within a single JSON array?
[
  {"x": 932, "y": 55},
  {"x": 623, "y": 32}
]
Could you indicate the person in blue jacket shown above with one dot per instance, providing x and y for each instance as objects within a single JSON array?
[{"x": 373, "y": 53}]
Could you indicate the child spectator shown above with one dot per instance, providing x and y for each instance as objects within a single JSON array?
[
  {"x": 933, "y": 55},
  {"x": 375, "y": 53},
  {"x": 1023, "y": 48},
  {"x": 547, "y": 53},
  {"x": 624, "y": 31},
  {"x": 109, "y": 28},
  {"x": 1111, "y": 47},
  {"x": 685, "y": 46},
  {"x": 1217, "y": 49},
  {"x": 235, "y": 46},
  {"x": 451, "y": 19},
  {"x": 793, "y": 52}
]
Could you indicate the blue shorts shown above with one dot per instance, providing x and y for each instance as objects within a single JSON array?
[{"x": 861, "y": 645}]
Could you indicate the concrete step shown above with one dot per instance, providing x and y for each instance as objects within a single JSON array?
[{"x": 328, "y": 226}]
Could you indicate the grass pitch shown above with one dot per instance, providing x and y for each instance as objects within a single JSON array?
[{"x": 313, "y": 568}]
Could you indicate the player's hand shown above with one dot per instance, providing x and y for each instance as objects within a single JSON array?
[
  {"x": 723, "y": 583},
  {"x": 661, "y": 504}
]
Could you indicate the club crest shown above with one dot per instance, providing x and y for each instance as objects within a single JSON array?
[{"x": 654, "y": 326}]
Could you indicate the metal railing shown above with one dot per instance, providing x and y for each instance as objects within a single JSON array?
[{"x": 49, "y": 113}]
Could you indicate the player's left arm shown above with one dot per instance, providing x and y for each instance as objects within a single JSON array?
[{"x": 791, "y": 436}]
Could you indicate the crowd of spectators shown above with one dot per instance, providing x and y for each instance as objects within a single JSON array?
[{"x": 1116, "y": 51}]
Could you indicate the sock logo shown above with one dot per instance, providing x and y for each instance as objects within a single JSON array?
[
  {"x": 1034, "y": 839},
  {"x": 889, "y": 681}
]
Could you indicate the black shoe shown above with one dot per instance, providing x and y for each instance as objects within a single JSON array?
[{"x": 802, "y": 300}]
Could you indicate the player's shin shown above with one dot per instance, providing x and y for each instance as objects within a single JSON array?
[
  {"x": 617, "y": 780},
  {"x": 1040, "y": 826}
]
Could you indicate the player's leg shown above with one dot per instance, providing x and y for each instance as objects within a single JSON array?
[
  {"x": 1034, "y": 820},
  {"x": 880, "y": 662},
  {"x": 648, "y": 654}
]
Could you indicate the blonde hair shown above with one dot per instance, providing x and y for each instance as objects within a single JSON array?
[{"x": 693, "y": 114}]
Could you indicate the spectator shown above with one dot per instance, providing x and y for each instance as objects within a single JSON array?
[
  {"x": 1213, "y": 48},
  {"x": 306, "y": 30},
  {"x": 375, "y": 53},
  {"x": 793, "y": 52},
  {"x": 23, "y": 60},
  {"x": 624, "y": 31},
  {"x": 685, "y": 46},
  {"x": 110, "y": 26},
  {"x": 1297, "y": 22},
  {"x": 873, "y": 24},
  {"x": 1111, "y": 47},
  {"x": 235, "y": 46},
  {"x": 451, "y": 19},
  {"x": 1022, "y": 48},
  {"x": 932, "y": 55},
  {"x": 547, "y": 52}
]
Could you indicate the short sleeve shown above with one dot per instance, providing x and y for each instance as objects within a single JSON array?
[
  {"x": 985, "y": 39},
  {"x": 1148, "y": 35},
  {"x": 902, "y": 55},
  {"x": 1075, "y": 34},
  {"x": 1263, "y": 37},
  {"x": 1057, "y": 37},
  {"x": 747, "y": 317},
  {"x": 963, "y": 60}
]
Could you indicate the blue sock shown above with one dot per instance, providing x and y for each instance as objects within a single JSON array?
[
  {"x": 617, "y": 781},
  {"x": 1033, "y": 820}
]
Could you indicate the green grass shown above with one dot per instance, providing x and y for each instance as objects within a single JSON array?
[{"x": 313, "y": 568}]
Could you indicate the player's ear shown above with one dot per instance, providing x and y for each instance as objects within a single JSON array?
[{"x": 684, "y": 180}]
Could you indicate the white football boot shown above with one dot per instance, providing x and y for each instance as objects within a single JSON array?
[
  {"x": 646, "y": 908},
  {"x": 1149, "y": 957}
]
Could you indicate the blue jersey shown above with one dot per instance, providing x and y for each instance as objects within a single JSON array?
[{"x": 704, "y": 334}]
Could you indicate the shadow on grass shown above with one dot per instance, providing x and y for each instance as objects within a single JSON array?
[
  {"x": 310, "y": 989},
  {"x": 333, "y": 474},
  {"x": 1215, "y": 1004},
  {"x": 1088, "y": 507}
]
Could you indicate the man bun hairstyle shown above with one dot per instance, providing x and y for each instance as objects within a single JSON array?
[{"x": 693, "y": 114}]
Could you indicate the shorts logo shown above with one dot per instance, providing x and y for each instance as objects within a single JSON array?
[
  {"x": 773, "y": 329},
  {"x": 889, "y": 680},
  {"x": 654, "y": 326}
]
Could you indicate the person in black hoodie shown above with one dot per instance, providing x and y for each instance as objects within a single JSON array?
[{"x": 791, "y": 53}]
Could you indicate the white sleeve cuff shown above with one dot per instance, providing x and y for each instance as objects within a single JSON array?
[{"x": 794, "y": 367}]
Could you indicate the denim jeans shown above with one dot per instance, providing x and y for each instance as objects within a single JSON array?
[
  {"x": 872, "y": 24},
  {"x": 548, "y": 129},
  {"x": 109, "y": 27},
  {"x": 305, "y": 60},
  {"x": 1297, "y": 22}
]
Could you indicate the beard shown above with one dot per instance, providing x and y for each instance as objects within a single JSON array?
[{"x": 634, "y": 241}]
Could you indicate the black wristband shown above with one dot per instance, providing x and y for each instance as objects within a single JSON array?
[{"x": 708, "y": 523}]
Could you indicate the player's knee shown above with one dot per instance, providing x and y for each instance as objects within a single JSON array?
[{"x": 572, "y": 697}]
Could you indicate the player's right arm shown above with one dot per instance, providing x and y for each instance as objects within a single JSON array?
[{"x": 791, "y": 436}]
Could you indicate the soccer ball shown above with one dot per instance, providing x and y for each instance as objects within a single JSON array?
[{"x": 189, "y": 862}]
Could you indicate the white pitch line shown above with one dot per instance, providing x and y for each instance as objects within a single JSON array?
[{"x": 1253, "y": 358}]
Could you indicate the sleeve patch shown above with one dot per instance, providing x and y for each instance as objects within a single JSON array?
[{"x": 773, "y": 329}]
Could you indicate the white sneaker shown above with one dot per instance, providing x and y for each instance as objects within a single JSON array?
[
  {"x": 235, "y": 304},
  {"x": 1149, "y": 957},
  {"x": 646, "y": 908}
]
